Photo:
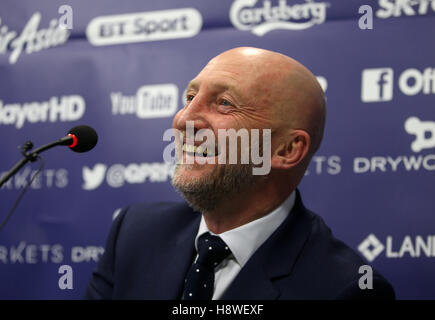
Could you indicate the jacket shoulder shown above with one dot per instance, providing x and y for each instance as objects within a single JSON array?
[
  {"x": 331, "y": 269},
  {"x": 138, "y": 233}
]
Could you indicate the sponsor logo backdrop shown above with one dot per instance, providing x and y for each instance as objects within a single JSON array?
[{"x": 123, "y": 67}]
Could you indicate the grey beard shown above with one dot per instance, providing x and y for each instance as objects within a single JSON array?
[{"x": 206, "y": 193}]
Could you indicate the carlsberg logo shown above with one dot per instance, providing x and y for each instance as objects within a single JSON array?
[{"x": 260, "y": 20}]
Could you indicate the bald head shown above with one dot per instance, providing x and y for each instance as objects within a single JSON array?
[{"x": 288, "y": 89}]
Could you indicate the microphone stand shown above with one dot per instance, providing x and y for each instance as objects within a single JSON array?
[{"x": 32, "y": 156}]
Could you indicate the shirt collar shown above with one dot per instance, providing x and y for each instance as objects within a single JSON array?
[{"x": 243, "y": 241}]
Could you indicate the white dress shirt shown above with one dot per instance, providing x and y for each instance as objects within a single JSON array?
[{"x": 243, "y": 242}]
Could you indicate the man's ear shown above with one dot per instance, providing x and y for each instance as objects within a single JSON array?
[{"x": 292, "y": 151}]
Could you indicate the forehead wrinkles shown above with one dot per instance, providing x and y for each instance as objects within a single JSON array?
[
  {"x": 228, "y": 71},
  {"x": 219, "y": 80},
  {"x": 239, "y": 75}
]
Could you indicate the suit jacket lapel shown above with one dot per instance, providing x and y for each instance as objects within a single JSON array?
[
  {"x": 177, "y": 257},
  {"x": 275, "y": 258},
  {"x": 252, "y": 283}
]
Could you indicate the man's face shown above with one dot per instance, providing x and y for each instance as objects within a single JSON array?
[{"x": 229, "y": 93}]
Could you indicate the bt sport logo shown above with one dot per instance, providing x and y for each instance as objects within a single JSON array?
[{"x": 144, "y": 26}]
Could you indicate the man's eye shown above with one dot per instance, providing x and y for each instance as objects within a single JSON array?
[
  {"x": 225, "y": 102},
  {"x": 189, "y": 97}
]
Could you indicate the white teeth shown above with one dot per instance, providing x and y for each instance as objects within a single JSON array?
[
  {"x": 189, "y": 148},
  {"x": 195, "y": 149}
]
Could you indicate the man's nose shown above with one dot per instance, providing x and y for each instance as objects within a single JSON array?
[{"x": 195, "y": 110}]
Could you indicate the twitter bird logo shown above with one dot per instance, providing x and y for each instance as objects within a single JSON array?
[{"x": 93, "y": 177}]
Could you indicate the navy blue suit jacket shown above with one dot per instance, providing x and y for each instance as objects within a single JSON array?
[{"x": 151, "y": 247}]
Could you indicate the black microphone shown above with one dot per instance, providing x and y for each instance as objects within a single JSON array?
[{"x": 79, "y": 139}]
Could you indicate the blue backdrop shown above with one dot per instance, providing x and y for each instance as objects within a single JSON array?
[{"x": 122, "y": 67}]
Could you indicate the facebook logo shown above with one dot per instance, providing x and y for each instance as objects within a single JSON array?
[{"x": 377, "y": 85}]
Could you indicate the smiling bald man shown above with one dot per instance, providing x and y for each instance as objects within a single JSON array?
[{"x": 240, "y": 235}]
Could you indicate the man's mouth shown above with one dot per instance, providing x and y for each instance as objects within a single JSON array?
[{"x": 201, "y": 151}]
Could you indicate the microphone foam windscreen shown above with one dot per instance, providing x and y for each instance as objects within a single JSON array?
[{"x": 87, "y": 138}]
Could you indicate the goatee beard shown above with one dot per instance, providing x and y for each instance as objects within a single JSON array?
[{"x": 208, "y": 192}]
